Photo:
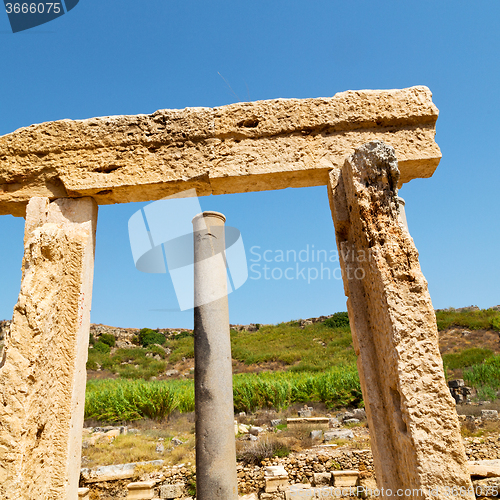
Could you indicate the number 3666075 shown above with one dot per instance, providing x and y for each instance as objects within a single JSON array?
[{"x": 33, "y": 8}]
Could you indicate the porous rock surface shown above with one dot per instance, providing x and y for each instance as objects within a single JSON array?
[
  {"x": 241, "y": 147},
  {"x": 42, "y": 370},
  {"x": 414, "y": 427}
]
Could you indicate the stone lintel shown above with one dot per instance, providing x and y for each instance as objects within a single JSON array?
[
  {"x": 414, "y": 429},
  {"x": 237, "y": 148}
]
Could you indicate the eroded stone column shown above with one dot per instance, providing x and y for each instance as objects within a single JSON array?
[
  {"x": 42, "y": 372},
  {"x": 215, "y": 443},
  {"x": 414, "y": 429}
]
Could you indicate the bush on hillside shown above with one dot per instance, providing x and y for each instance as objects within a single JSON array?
[
  {"x": 149, "y": 337},
  {"x": 108, "y": 339},
  {"x": 102, "y": 347},
  {"x": 495, "y": 324},
  {"x": 337, "y": 320}
]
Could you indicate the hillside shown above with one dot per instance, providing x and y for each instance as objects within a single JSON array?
[{"x": 467, "y": 336}]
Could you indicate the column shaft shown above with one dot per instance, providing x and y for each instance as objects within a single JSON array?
[
  {"x": 414, "y": 429},
  {"x": 42, "y": 373},
  {"x": 215, "y": 442}
]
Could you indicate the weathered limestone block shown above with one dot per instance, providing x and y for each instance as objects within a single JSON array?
[
  {"x": 83, "y": 494},
  {"x": 42, "y": 372},
  {"x": 238, "y": 148},
  {"x": 142, "y": 490},
  {"x": 345, "y": 478},
  {"x": 171, "y": 491},
  {"x": 414, "y": 428}
]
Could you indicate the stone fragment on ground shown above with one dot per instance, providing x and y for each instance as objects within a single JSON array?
[
  {"x": 338, "y": 434},
  {"x": 484, "y": 468}
]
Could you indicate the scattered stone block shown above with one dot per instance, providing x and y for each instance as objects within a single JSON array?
[
  {"x": 275, "y": 422},
  {"x": 141, "y": 490},
  {"x": 484, "y": 468},
  {"x": 255, "y": 430},
  {"x": 345, "y": 478},
  {"x": 456, "y": 383},
  {"x": 275, "y": 470},
  {"x": 339, "y": 434},
  {"x": 351, "y": 421},
  {"x": 322, "y": 478},
  {"x": 367, "y": 487},
  {"x": 170, "y": 491},
  {"x": 359, "y": 413},
  {"x": 489, "y": 414},
  {"x": 302, "y": 492},
  {"x": 83, "y": 494},
  {"x": 319, "y": 422},
  {"x": 347, "y": 415},
  {"x": 333, "y": 423},
  {"x": 305, "y": 412},
  {"x": 276, "y": 479},
  {"x": 114, "y": 472},
  {"x": 318, "y": 434},
  {"x": 243, "y": 429}
]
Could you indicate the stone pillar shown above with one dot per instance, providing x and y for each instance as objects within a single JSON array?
[
  {"x": 215, "y": 442},
  {"x": 42, "y": 372},
  {"x": 402, "y": 213},
  {"x": 414, "y": 429}
]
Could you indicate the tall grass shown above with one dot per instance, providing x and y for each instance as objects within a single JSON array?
[
  {"x": 128, "y": 400},
  {"x": 484, "y": 319}
]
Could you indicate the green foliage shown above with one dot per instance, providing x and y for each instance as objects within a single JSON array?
[
  {"x": 123, "y": 400},
  {"x": 108, "y": 339},
  {"x": 102, "y": 347},
  {"x": 313, "y": 348},
  {"x": 486, "y": 393},
  {"x": 191, "y": 487},
  {"x": 474, "y": 320},
  {"x": 92, "y": 340},
  {"x": 117, "y": 401},
  {"x": 466, "y": 358},
  {"x": 495, "y": 323},
  {"x": 182, "y": 335},
  {"x": 485, "y": 374},
  {"x": 156, "y": 349},
  {"x": 148, "y": 337},
  {"x": 338, "y": 320}
]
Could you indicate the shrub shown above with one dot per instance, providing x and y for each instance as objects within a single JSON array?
[
  {"x": 108, "y": 339},
  {"x": 267, "y": 447},
  {"x": 338, "y": 320},
  {"x": 466, "y": 358},
  {"x": 148, "y": 337},
  {"x": 495, "y": 324},
  {"x": 102, "y": 347},
  {"x": 92, "y": 340}
]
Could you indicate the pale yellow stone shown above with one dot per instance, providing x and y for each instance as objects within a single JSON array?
[
  {"x": 414, "y": 429},
  {"x": 140, "y": 490},
  {"x": 42, "y": 374},
  {"x": 242, "y": 147}
]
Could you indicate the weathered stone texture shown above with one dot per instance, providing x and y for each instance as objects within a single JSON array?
[
  {"x": 413, "y": 424},
  {"x": 42, "y": 372},
  {"x": 237, "y": 148}
]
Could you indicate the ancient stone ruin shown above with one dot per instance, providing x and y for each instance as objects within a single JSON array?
[{"x": 363, "y": 145}]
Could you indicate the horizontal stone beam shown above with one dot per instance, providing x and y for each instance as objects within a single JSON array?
[{"x": 237, "y": 148}]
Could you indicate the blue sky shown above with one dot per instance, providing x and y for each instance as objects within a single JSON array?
[{"x": 130, "y": 57}]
